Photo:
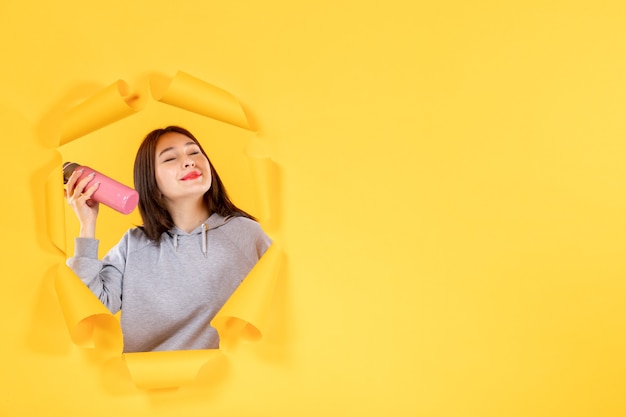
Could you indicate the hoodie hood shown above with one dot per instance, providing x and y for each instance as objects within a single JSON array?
[{"x": 213, "y": 222}]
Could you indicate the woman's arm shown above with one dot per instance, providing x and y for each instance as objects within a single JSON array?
[{"x": 102, "y": 277}]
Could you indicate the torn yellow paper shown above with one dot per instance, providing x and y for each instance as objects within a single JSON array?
[
  {"x": 113, "y": 103},
  {"x": 90, "y": 323},
  {"x": 266, "y": 180},
  {"x": 55, "y": 215},
  {"x": 195, "y": 95},
  {"x": 242, "y": 318},
  {"x": 169, "y": 369},
  {"x": 244, "y": 314}
]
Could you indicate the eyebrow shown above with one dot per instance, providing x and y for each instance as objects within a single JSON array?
[{"x": 172, "y": 148}]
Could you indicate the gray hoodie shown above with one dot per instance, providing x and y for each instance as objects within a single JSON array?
[{"x": 170, "y": 292}]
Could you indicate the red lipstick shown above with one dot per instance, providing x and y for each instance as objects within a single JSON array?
[{"x": 191, "y": 176}]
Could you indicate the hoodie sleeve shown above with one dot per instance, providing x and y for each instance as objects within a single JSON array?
[
  {"x": 249, "y": 238},
  {"x": 102, "y": 277},
  {"x": 263, "y": 242}
]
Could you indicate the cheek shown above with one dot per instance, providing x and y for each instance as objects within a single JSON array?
[
  {"x": 159, "y": 176},
  {"x": 209, "y": 174},
  {"x": 207, "y": 169},
  {"x": 158, "y": 183}
]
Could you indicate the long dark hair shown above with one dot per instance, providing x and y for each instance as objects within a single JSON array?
[{"x": 156, "y": 218}]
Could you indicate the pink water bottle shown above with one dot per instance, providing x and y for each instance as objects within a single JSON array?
[{"x": 110, "y": 192}]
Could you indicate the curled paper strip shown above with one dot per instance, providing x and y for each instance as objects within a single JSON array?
[
  {"x": 243, "y": 316},
  {"x": 266, "y": 181},
  {"x": 114, "y": 103},
  {"x": 190, "y": 93},
  {"x": 170, "y": 369},
  {"x": 89, "y": 322},
  {"x": 55, "y": 216}
]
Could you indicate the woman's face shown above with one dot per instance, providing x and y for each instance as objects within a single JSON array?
[{"x": 181, "y": 170}]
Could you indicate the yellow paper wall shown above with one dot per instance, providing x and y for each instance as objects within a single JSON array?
[{"x": 452, "y": 202}]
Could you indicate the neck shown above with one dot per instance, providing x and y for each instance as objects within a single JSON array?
[{"x": 188, "y": 214}]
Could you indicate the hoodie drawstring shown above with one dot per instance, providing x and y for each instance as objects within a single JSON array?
[{"x": 204, "y": 239}]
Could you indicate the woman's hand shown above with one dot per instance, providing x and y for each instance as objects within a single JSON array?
[{"x": 80, "y": 200}]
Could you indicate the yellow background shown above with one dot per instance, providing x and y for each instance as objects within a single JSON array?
[{"x": 452, "y": 202}]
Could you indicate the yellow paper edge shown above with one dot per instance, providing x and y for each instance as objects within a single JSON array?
[
  {"x": 111, "y": 104},
  {"x": 55, "y": 215},
  {"x": 244, "y": 314},
  {"x": 89, "y": 322},
  {"x": 190, "y": 93},
  {"x": 167, "y": 369}
]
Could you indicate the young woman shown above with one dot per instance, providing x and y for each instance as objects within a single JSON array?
[{"x": 172, "y": 275}]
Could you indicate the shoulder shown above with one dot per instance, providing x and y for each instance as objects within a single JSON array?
[
  {"x": 242, "y": 223},
  {"x": 247, "y": 235},
  {"x": 136, "y": 239},
  {"x": 243, "y": 228},
  {"x": 243, "y": 231}
]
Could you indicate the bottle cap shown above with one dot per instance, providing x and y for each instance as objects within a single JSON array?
[{"x": 68, "y": 168}]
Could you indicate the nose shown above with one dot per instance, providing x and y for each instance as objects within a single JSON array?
[{"x": 189, "y": 163}]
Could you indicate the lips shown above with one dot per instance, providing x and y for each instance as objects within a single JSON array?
[{"x": 191, "y": 176}]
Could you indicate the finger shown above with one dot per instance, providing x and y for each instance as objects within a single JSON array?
[
  {"x": 79, "y": 189},
  {"x": 87, "y": 194},
  {"x": 72, "y": 181}
]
